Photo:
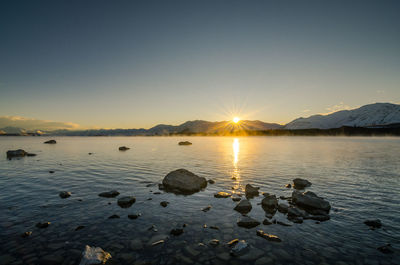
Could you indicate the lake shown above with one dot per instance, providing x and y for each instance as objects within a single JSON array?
[{"x": 359, "y": 176}]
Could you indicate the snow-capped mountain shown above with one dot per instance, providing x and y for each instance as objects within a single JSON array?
[{"x": 377, "y": 114}]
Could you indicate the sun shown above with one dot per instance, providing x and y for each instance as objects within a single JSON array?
[{"x": 236, "y": 119}]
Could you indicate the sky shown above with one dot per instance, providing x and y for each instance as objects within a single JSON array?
[{"x": 135, "y": 64}]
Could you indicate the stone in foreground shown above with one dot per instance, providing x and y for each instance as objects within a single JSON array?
[
  {"x": 126, "y": 202},
  {"x": 270, "y": 202},
  {"x": 109, "y": 194},
  {"x": 251, "y": 191},
  {"x": 243, "y": 207},
  {"x": 185, "y": 143},
  {"x": 183, "y": 181},
  {"x": 240, "y": 248},
  {"x": 301, "y": 183},
  {"x": 269, "y": 237},
  {"x": 64, "y": 194},
  {"x": 247, "y": 222},
  {"x": 16, "y": 153},
  {"x": 51, "y": 142},
  {"x": 94, "y": 255}
]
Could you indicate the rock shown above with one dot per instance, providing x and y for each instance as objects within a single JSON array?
[
  {"x": 185, "y": 143},
  {"x": 50, "y": 142},
  {"x": 136, "y": 244},
  {"x": 126, "y": 202},
  {"x": 373, "y": 223},
  {"x": 16, "y": 153},
  {"x": 109, "y": 194},
  {"x": 43, "y": 225},
  {"x": 243, "y": 207},
  {"x": 236, "y": 199},
  {"x": 222, "y": 194},
  {"x": 297, "y": 220},
  {"x": 386, "y": 249},
  {"x": 176, "y": 231},
  {"x": 157, "y": 239},
  {"x": 214, "y": 227},
  {"x": 310, "y": 201},
  {"x": 251, "y": 191},
  {"x": 30, "y": 154},
  {"x": 240, "y": 248},
  {"x": 269, "y": 237},
  {"x": 164, "y": 203},
  {"x": 288, "y": 186},
  {"x": 51, "y": 171},
  {"x": 94, "y": 255},
  {"x": 90, "y": 153},
  {"x": 79, "y": 227},
  {"x": 123, "y": 148},
  {"x": 296, "y": 212},
  {"x": 211, "y": 181},
  {"x": 26, "y": 234},
  {"x": 233, "y": 242},
  {"x": 64, "y": 194},
  {"x": 247, "y": 222},
  {"x": 183, "y": 181},
  {"x": 270, "y": 202},
  {"x": 134, "y": 216},
  {"x": 114, "y": 216},
  {"x": 206, "y": 209},
  {"x": 283, "y": 208},
  {"x": 213, "y": 242},
  {"x": 267, "y": 222},
  {"x": 301, "y": 183}
]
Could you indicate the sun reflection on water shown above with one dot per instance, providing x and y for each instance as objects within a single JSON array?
[{"x": 235, "y": 172}]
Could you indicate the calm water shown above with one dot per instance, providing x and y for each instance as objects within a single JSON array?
[{"x": 360, "y": 177}]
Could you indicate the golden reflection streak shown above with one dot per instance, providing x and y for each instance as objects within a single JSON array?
[
  {"x": 235, "y": 173},
  {"x": 236, "y": 147}
]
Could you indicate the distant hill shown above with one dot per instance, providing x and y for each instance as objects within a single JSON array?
[{"x": 372, "y": 115}]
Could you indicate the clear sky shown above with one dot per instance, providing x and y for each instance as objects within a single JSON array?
[{"x": 131, "y": 64}]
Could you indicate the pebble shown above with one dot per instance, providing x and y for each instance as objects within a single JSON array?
[
  {"x": 164, "y": 203},
  {"x": 213, "y": 242}
]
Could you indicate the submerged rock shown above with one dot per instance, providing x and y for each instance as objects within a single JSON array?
[
  {"x": 50, "y": 142},
  {"x": 301, "y": 183},
  {"x": 114, "y": 216},
  {"x": 185, "y": 143},
  {"x": 270, "y": 202},
  {"x": 183, "y": 181},
  {"x": 134, "y": 216},
  {"x": 126, "y": 202},
  {"x": 64, "y": 194},
  {"x": 269, "y": 237},
  {"x": 251, "y": 191},
  {"x": 213, "y": 242},
  {"x": 43, "y": 225},
  {"x": 310, "y": 201},
  {"x": 109, "y": 194},
  {"x": 94, "y": 255},
  {"x": 26, "y": 234},
  {"x": 240, "y": 248},
  {"x": 247, "y": 222},
  {"x": 222, "y": 194},
  {"x": 243, "y": 207},
  {"x": 373, "y": 223},
  {"x": 123, "y": 148},
  {"x": 206, "y": 209},
  {"x": 79, "y": 227}
]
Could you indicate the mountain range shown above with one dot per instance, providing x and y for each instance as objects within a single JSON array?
[{"x": 376, "y": 115}]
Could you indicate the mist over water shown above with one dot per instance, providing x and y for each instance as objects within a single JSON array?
[{"x": 360, "y": 177}]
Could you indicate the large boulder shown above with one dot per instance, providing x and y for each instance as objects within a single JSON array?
[
  {"x": 301, "y": 183},
  {"x": 183, "y": 181},
  {"x": 94, "y": 255},
  {"x": 251, "y": 191},
  {"x": 243, "y": 207},
  {"x": 310, "y": 201}
]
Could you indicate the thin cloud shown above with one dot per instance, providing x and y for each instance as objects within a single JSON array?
[
  {"x": 35, "y": 124},
  {"x": 338, "y": 107}
]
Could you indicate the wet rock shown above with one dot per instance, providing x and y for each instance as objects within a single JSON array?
[
  {"x": 243, "y": 207},
  {"x": 164, "y": 203},
  {"x": 134, "y": 216},
  {"x": 267, "y": 222},
  {"x": 185, "y": 143},
  {"x": 296, "y": 212},
  {"x": 51, "y": 142},
  {"x": 109, "y": 194},
  {"x": 247, "y": 222},
  {"x": 251, "y": 191},
  {"x": 157, "y": 193},
  {"x": 126, "y": 202},
  {"x": 269, "y": 237},
  {"x": 16, "y": 153},
  {"x": 64, "y": 194},
  {"x": 183, "y": 181},
  {"x": 43, "y": 225},
  {"x": 26, "y": 234},
  {"x": 94, "y": 255},
  {"x": 206, "y": 209},
  {"x": 240, "y": 248},
  {"x": 30, "y": 154},
  {"x": 214, "y": 227},
  {"x": 222, "y": 194},
  {"x": 51, "y": 171},
  {"x": 288, "y": 186},
  {"x": 270, "y": 202},
  {"x": 236, "y": 199},
  {"x": 79, "y": 227},
  {"x": 90, "y": 153},
  {"x": 233, "y": 242},
  {"x": 213, "y": 242},
  {"x": 176, "y": 231},
  {"x": 123, "y": 148},
  {"x": 283, "y": 208},
  {"x": 301, "y": 183},
  {"x": 310, "y": 201},
  {"x": 386, "y": 249},
  {"x": 114, "y": 216},
  {"x": 373, "y": 223}
]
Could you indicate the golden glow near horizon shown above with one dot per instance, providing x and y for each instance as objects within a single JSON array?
[{"x": 236, "y": 119}]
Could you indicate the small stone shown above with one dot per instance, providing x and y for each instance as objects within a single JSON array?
[
  {"x": 51, "y": 171},
  {"x": 51, "y": 142},
  {"x": 79, "y": 227},
  {"x": 114, "y": 216},
  {"x": 233, "y": 242},
  {"x": 270, "y": 202},
  {"x": 288, "y": 186},
  {"x": 185, "y": 143},
  {"x": 164, "y": 203},
  {"x": 247, "y": 222},
  {"x": 269, "y": 237},
  {"x": 214, "y": 227},
  {"x": 176, "y": 231},
  {"x": 240, "y": 248},
  {"x": 109, "y": 194},
  {"x": 123, "y": 148},
  {"x": 283, "y": 208},
  {"x": 301, "y": 183},
  {"x": 158, "y": 242},
  {"x": 283, "y": 223},
  {"x": 222, "y": 194},
  {"x": 213, "y": 242},
  {"x": 126, "y": 202},
  {"x": 211, "y": 181},
  {"x": 90, "y": 153},
  {"x": 206, "y": 209},
  {"x": 243, "y": 207},
  {"x": 374, "y": 223},
  {"x": 153, "y": 228},
  {"x": 26, "y": 234},
  {"x": 134, "y": 216},
  {"x": 64, "y": 194},
  {"x": 43, "y": 225},
  {"x": 236, "y": 199}
]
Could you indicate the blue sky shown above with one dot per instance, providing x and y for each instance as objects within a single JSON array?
[{"x": 130, "y": 64}]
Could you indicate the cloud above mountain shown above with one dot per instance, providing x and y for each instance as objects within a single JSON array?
[{"x": 35, "y": 124}]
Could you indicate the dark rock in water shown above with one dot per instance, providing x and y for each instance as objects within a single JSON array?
[
  {"x": 301, "y": 183},
  {"x": 251, "y": 191},
  {"x": 233, "y": 242},
  {"x": 211, "y": 181},
  {"x": 243, "y": 207},
  {"x": 183, "y": 181},
  {"x": 26, "y": 234},
  {"x": 374, "y": 223},
  {"x": 79, "y": 227},
  {"x": 386, "y": 249},
  {"x": 134, "y": 216},
  {"x": 240, "y": 248},
  {"x": 126, "y": 202},
  {"x": 236, "y": 199},
  {"x": 176, "y": 231},
  {"x": 30, "y": 154},
  {"x": 16, "y": 153},
  {"x": 296, "y": 212},
  {"x": 123, "y": 148},
  {"x": 270, "y": 202},
  {"x": 157, "y": 193},
  {"x": 267, "y": 222},
  {"x": 206, "y": 209},
  {"x": 214, "y": 227},
  {"x": 109, "y": 194},
  {"x": 247, "y": 222},
  {"x": 50, "y": 142},
  {"x": 269, "y": 237},
  {"x": 114, "y": 216},
  {"x": 213, "y": 242},
  {"x": 43, "y": 225},
  {"x": 51, "y": 171},
  {"x": 164, "y": 203},
  {"x": 310, "y": 201},
  {"x": 283, "y": 208},
  {"x": 64, "y": 194},
  {"x": 222, "y": 194},
  {"x": 288, "y": 186},
  {"x": 185, "y": 143},
  {"x": 94, "y": 255},
  {"x": 90, "y": 153}
]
